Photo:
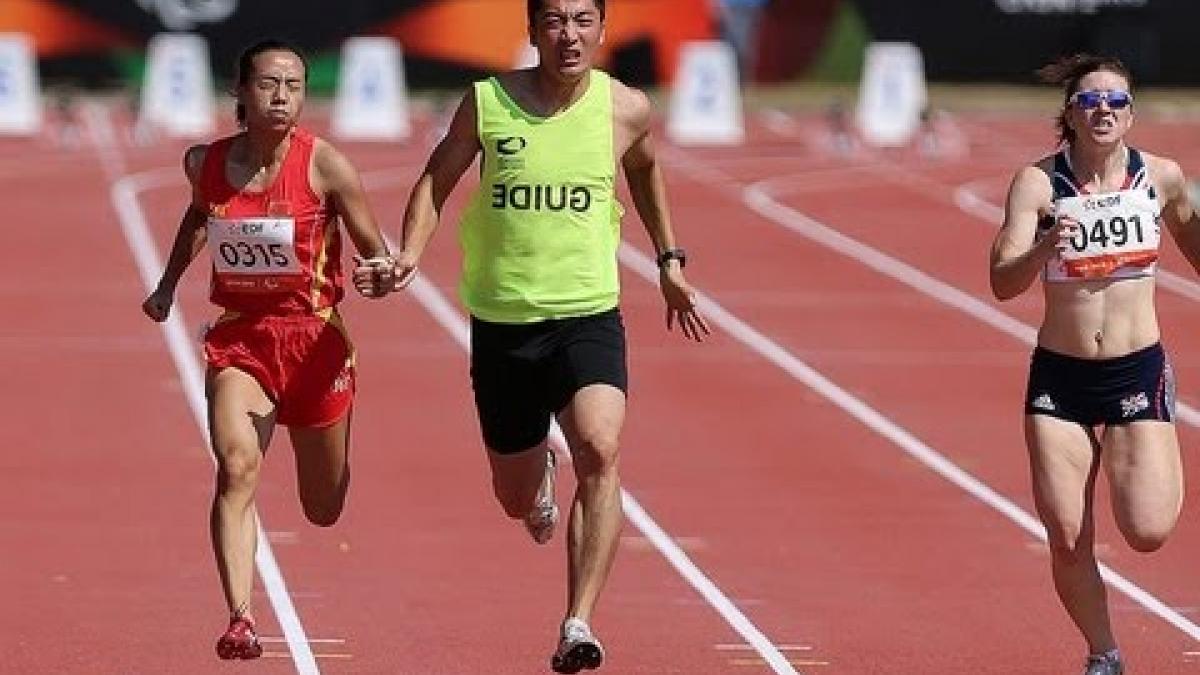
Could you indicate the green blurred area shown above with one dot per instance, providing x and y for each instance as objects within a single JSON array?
[
  {"x": 841, "y": 56},
  {"x": 322, "y": 71}
]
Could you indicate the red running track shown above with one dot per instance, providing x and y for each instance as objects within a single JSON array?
[{"x": 842, "y": 549}]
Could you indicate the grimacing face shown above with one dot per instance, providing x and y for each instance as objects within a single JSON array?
[
  {"x": 273, "y": 94},
  {"x": 1103, "y": 124},
  {"x": 567, "y": 34}
]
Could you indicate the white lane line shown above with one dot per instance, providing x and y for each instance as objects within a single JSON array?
[
  {"x": 738, "y": 647},
  {"x": 449, "y": 318},
  {"x": 452, "y": 321},
  {"x": 315, "y": 641},
  {"x": 124, "y": 194},
  {"x": 871, "y": 418},
  {"x": 759, "y": 198},
  {"x": 444, "y": 312},
  {"x": 964, "y": 196}
]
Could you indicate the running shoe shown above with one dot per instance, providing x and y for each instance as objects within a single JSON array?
[
  {"x": 542, "y": 518},
  {"x": 1108, "y": 663},
  {"x": 577, "y": 649},
  {"x": 240, "y": 640}
]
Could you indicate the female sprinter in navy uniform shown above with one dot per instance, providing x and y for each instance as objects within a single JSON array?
[{"x": 1101, "y": 391}]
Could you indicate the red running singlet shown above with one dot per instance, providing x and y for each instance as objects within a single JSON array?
[{"x": 277, "y": 251}]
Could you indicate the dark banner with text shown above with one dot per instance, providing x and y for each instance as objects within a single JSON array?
[
  {"x": 1006, "y": 40},
  {"x": 444, "y": 41}
]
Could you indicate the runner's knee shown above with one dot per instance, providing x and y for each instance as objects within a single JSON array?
[
  {"x": 597, "y": 453},
  {"x": 238, "y": 469}
]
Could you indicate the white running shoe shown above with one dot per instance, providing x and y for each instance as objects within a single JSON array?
[
  {"x": 542, "y": 518},
  {"x": 577, "y": 649}
]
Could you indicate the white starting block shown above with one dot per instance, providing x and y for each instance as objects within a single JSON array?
[
  {"x": 177, "y": 91},
  {"x": 891, "y": 95},
  {"x": 20, "y": 95},
  {"x": 706, "y": 101},
  {"x": 371, "y": 99}
]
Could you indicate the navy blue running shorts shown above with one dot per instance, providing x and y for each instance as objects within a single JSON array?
[{"x": 1137, "y": 386}]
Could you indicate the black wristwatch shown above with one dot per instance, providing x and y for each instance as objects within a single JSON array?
[{"x": 672, "y": 254}]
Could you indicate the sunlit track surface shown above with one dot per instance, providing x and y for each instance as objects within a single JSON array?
[{"x": 801, "y": 502}]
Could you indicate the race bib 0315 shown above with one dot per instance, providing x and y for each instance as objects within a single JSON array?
[{"x": 255, "y": 254}]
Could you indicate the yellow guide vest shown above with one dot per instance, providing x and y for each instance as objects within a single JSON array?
[{"x": 540, "y": 235}]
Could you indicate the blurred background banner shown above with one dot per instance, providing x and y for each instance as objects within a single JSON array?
[
  {"x": 449, "y": 42},
  {"x": 976, "y": 40},
  {"x": 1006, "y": 40},
  {"x": 445, "y": 42}
]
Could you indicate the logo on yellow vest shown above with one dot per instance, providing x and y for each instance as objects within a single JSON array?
[
  {"x": 506, "y": 151},
  {"x": 510, "y": 145}
]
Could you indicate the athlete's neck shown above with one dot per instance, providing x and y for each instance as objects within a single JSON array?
[
  {"x": 554, "y": 93},
  {"x": 1099, "y": 166},
  {"x": 263, "y": 149}
]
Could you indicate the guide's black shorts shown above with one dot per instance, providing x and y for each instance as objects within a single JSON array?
[{"x": 523, "y": 374}]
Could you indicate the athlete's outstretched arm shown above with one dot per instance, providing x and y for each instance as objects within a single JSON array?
[
  {"x": 189, "y": 241},
  {"x": 337, "y": 178},
  {"x": 1018, "y": 256},
  {"x": 649, "y": 193},
  {"x": 449, "y": 160},
  {"x": 1179, "y": 214}
]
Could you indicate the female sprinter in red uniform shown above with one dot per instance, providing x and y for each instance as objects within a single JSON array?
[{"x": 267, "y": 201}]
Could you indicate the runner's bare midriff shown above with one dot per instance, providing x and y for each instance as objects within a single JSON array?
[{"x": 1099, "y": 319}]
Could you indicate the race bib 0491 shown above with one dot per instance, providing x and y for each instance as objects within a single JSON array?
[{"x": 1118, "y": 236}]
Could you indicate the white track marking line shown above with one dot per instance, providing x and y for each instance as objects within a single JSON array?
[
  {"x": 758, "y": 197},
  {"x": 738, "y": 647},
  {"x": 965, "y": 197},
  {"x": 124, "y": 191},
  {"x": 452, "y": 321},
  {"x": 761, "y": 200}
]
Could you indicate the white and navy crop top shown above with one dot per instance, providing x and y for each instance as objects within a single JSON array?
[{"x": 1118, "y": 232}]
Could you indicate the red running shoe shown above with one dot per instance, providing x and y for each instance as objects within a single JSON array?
[{"x": 240, "y": 640}]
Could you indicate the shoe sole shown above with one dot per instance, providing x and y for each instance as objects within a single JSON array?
[
  {"x": 232, "y": 652},
  {"x": 582, "y": 656},
  {"x": 543, "y": 532}
]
